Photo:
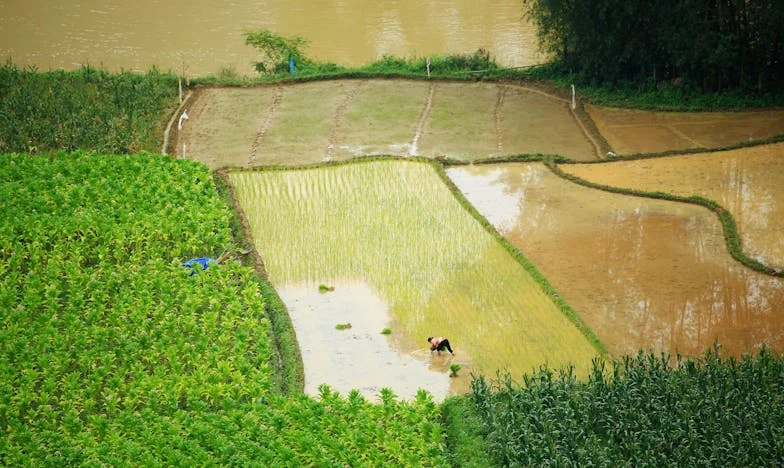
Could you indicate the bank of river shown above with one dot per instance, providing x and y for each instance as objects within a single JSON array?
[{"x": 203, "y": 36}]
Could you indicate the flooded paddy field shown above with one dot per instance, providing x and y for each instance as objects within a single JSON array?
[
  {"x": 334, "y": 120},
  {"x": 202, "y": 37},
  {"x": 747, "y": 182},
  {"x": 642, "y": 273},
  {"x": 403, "y": 254},
  {"x": 630, "y": 131}
]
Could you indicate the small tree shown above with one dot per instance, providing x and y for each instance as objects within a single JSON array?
[{"x": 275, "y": 50}]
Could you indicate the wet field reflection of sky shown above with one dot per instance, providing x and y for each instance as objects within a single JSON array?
[{"x": 643, "y": 274}]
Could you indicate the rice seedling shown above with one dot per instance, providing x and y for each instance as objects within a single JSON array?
[{"x": 396, "y": 226}]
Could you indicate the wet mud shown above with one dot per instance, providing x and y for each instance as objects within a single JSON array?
[
  {"x": 630, "y": 131},
  {"x": 337, "y": 120}
]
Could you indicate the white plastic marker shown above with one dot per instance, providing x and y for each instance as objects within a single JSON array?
[
  {"x": 574, "y": 104},
  {"x": 428, "y": 66},
  {"x": 184, "y": 116}
]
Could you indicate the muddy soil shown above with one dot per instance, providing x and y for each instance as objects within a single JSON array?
[
  {"x": 337, "y": 120},
  {"x": 361, "y": 357},
  {"x": 631, "y": 131}
]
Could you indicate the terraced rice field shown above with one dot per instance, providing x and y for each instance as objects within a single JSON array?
[
  {"x": 631, "y": 131},
  {"x": 393, "y": 232},
  {"x": 642, "y": 273},
  {"x": 402, "y": 254},
  {"x": 336, "y": 120},
  {"x": 747, "y": 182}
]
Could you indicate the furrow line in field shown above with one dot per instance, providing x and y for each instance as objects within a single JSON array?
[
  {"x": 423, "y": 117},
  {"x": 339, "y": 119},
  {"x": 499, "y": 129},
  {"x": 265, "y": 125}
]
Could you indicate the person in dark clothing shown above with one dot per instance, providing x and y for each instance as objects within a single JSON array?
[{"x": 439, "y": 343}]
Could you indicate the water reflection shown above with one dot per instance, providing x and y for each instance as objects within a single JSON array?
[
  {"x": 360, "y": 357},
  {"x": 747, "y": 182},
  {"x": 642, "y": 273}
]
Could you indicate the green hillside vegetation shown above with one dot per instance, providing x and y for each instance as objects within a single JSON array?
[
  {"x": 649, "y": 48},
  {"x": 113, "y": 353}
]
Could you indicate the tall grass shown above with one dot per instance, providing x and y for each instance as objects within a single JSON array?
[{"x": 83, "y": 109}]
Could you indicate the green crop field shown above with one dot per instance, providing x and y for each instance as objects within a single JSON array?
[
  {"x": 85, "y": 109},
  {"x": 112, "y": 353},
  {"x": 396, "y": 226}
]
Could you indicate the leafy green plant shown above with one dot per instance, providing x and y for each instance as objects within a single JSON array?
[
  {"x": 386, "y": 331},
  {"x": 275, "y": 50},
  {"x": 112, "y": 354},
  {"x": 324, "y": 288},
  {"x": 638, "y": 410},
  {"x": 343, "y": 326},
  {"x": 454, "y": 368}
]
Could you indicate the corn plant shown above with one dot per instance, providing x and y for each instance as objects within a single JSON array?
[
  {"x": 86, "y": 108},
  {"x": 642, "y": 410}
]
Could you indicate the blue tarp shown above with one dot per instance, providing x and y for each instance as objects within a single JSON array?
[{"x": 205, "y": 262}]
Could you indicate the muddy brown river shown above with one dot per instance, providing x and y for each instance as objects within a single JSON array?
[
  {"x": 203, "y": 36},
  {"x": 644, "y": 274}
]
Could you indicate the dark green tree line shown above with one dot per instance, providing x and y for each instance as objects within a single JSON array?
[{"x": 710, "y": 45}]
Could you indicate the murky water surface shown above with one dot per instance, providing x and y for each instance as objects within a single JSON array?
[
  {"x": 643, "y": 274},
  {"x": 203, "y": 36},
  {"x": 748, "y": 182},
  {"x": 395, "y": 227},
  {"x": 360, "y": 357}
]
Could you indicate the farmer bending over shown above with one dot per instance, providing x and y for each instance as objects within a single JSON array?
[{"x": 439, "y": 344}]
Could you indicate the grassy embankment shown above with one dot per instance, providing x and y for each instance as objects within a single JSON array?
[
  {"x": 99, "y": 315},
  {"x": 481, "y": 66}
]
